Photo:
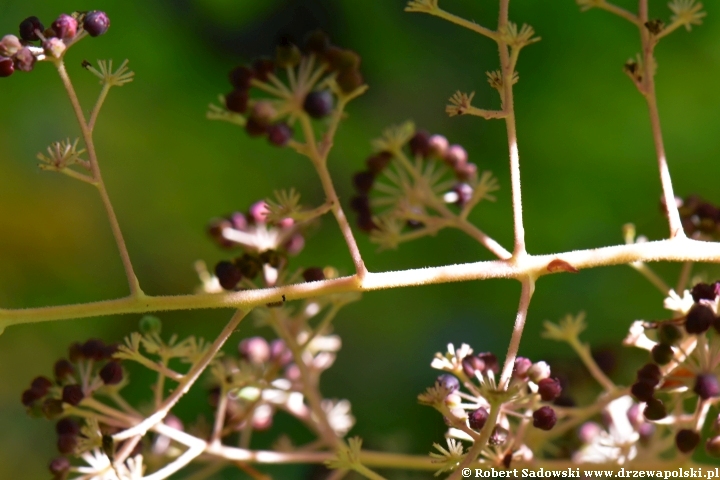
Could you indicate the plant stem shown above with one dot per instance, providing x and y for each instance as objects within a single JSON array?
[
  {"x": 528, "y": 287},
  {"x": 583, "y": 351},
  {"x": 99, "y": 183}
]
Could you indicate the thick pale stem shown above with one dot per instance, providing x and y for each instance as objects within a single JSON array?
[
  {"x": 99, "y": 183},
  {"x": 528, "y": 287}
]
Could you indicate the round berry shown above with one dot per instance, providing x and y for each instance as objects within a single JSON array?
[
  {"x": 228, "y": 274},
  {"x": 254, "y": 349},
  {"x": 255, "y": 127},
  {"x": 669, "y": 334},
  {"x": 654, "y": 410},
  {"x": 30, "y": 396},
  {"x": 539, "y": 371},
  {"x": 72, "y": 394},
  {"x": 703, "y": 291},
  {"x": 318, "y": 104},
  {"x": 549, "y": 389},
  {"x": 317, "y": 42},
  {"x": 477, "y": 418},
  {"x": 544, "y": 418},
  {"x": 377, "y": 163},
  {"x": 237, "y": 101},
  {"x": 456, "y": 156},
  {"x": 472, "y": 364},
  {"x": 420, "y": 144},
  {"x": 66, "y": 443},
  {"x": 712, "y": 446},
  {"x": 363, "y": 181},
  {"x": 96, "y": 23},
  {"x": 662, "y": 354},
  {"x": 491, "y": 362},
  {"x": 9, "y": 45},
  {"x": 150, "y": 324},
  {"x": 63, "y": 369},
  {"x": 349, "y": 80},
  {"x": 699, "y": 319},
  {"x": 463, "y": 193},
  {"x": 28, "y": 28},
  {"x": 707, "y": 386},
  {"x": 111, "y": 373},
  {"x": 7, "y": 66},
  {"x": 94, "y": 349},
  {"x": 649, "y": 373},
  {"x": 67, "y": 426},
  {"x": 262, "y": 68},
  {"x": 279, "y": 134},
  {"x": 642, "y": 390},
  {"x": 65, "y": 26},
  {"x": 686, "y": 440},
  {"x": 240, "y": 77},
  {"x": 450, "y": 382},
  {"x": 59, "y": 466},
  {"x": 41, "y": 384},
  {"x": 313, "y": 274},
  {"x": 25, "y": 60}
]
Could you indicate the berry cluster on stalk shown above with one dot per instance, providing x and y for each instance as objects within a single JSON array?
[{"x": 37, "y": 43}]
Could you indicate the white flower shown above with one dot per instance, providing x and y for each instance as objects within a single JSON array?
[
  {"x": 100, "y": 468},
  {"x": 617, "y": 444},
  {"x": 678, "y": 304}
]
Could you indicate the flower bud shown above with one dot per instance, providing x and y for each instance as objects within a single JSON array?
[
  {"x": 287, "y": 54},
  {"x": 237, "y": 101},
  {"x": 24, "y": 60},
  {"x": 240, "y": 77},
  {"x": 63, "y": 369},
  {"x": 669, "y": 334},
  {"x": 111, "y": 373},
  {"x": 702, "y": 291},
  {"x": 262, "y": 68},
  {"x": 28, "y": 28},
  {"x": 662, "y": 354},
  {"x": 478, "y": 418},
  {"x": 72, "y": 394},
  {"x": 363, "y": 181},
  {"x": 549, "y": 389},
  {"x": 544, "y": 418},
  {"x": 7, "y": 67},
  {"x": 59, "y": 467},
  {"x": 472, "y": 364},
  {"x": 642, "y": 390},
  {"x": 94, "y": 349},
  {"x": 66, "y": 443},
  {"x": 67, "y": 426},
  {"x": 254, "y": 349},
  {"x": 539, "y": 371},
  {"x": 9, "y": 45},
  {"x": 449, "y": 382},
  {"x": 420, "y": 144},
  {"x": 522, "y": 366},
  {"x": 349, "y": 80},
  {"x": 437, "y": 146},
  {"x": 65, "y": 26},
  {"x": 30, "y": 396},
  {"x": 707, "y": 386},
  {"x": 317, "y": 42},
  {"x": 279, "y": 352},
  {"x": 491, "y": 362},
  {"x": 712, "y": 446},
  {"x": 498, "y": 436},
  {"x": 41, "y": 384},
  {"x": 456, "y": 156},
  {"x": 650, "y": 373},
  {"x": 96, "y": 23}
]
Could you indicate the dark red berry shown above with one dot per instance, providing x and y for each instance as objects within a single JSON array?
[
  {"x": 360, "y": 204},
  {"x": 471, "y": 364},
  {"x": 28, "y": 29},
  {"x": 255, "y": 127},
  {"x": 450, "y": 382},
  {"x": 669, "y": 334},
  {"x": 707, "y": 386},
  {"x": 365, "y": 222},
  {"x": 237, "y": 101},
  {"x": 313, "y": 274},
  {"x": 477, "y": 418},
  {"x": 491, "y": 362},
  {"x": 65, "y": 26},
  {"x": 66, "y": 443},
  {"x": 7, "y": 66},
  {"x": 262, "y": 68},
  {"x": 650, "y": 373},
  {"x": 72, "y": 394},
  {"x": 544, "y": 418},
  {"x": 75, "y": 352},
  {"x": 240, "y": 77},
  {"x": 67, "y": 426},
  {"x": 94, "y": 349},
  {"x": 686, "y": 440},
  {"x": 41, "y": 384},
  {"x": 318, "y": 104},
  {"x": 228, "y": 274},
  {"x": 279, "y": 134},
  {"x": 30, "y": 396},
  {"x": 654, "y": 410},
  {"x": 699, "y": 319},
  {"x": 378, "y": 162},
  {"x": 606, "y": 359},
  {"x": 254, "y": 349},
  {"x": 662, "y": 354},
  {"x": 96, "y": 23},
  {"x": 642, "y": 390},
  {"x": 363, "y": 181},
  {"x": 420, "y": 143},
  {"x": 549, "y": 389},
  {"x": 59, "y": 466},
  {"x": 703, "y": 291},
  {"x": 63, "y": 369},
  {"x": 111, "y": 373}
]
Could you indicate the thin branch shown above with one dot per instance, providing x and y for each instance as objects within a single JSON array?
[
  {"x": 528, "y": 287},
  {"x": 620, "y": 12}
]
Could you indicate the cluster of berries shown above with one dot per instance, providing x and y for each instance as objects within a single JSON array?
[
  {"x": 424, "y": 146},
  {"x": 89, "y": 367},
  {"x": 699, "y": 218},
  {"x": 679, "y": 364},
  {"x": 22, "y": 53},
  {"x": 308, "y": 91}
]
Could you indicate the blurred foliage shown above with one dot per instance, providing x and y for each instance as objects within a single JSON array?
[{"x": 588, "y": 167}]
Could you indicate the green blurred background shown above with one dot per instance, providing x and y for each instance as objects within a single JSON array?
[{"x": 588, "y": 167}]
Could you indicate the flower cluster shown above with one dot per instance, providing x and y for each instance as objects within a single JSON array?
[
  {"x": 315, "y": 79},
  {"x": 22, "y": 53},
  {"x": 528, "y": 399},
  {"x": 422, "y": 174},
  {"x": 700, "y": 219}
]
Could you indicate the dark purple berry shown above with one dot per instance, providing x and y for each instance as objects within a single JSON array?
[
  {"x": 66, "y": 443},
  {"x": 318, "y": 104},
  {"x": 237, "y": 101},
  {"x": 544, "y": 418},
  {"x": 228, "y": 274},
  {"x": 703, "y": 291},
  {"x": 650, "y": 373},
  {"x": 471, "y": 364},
  {"x": 707, "y": 386},
  {"x": 65, "y": 26},
  {"x": 75, "y": 352},
  {"x": 317, "y": 42},
  {"x": 363, "y": 181},
  {"x": 669, "y": 334},
  {"x": 699, "y": 319},
  {"x": 686, "y": 440},
  {"x": 254, "y": 349},
  {"x": 477, "y": 418},
  {"x": 63, "y": 369},
  {"x": 41, "y": 384},
  {"x": 654, "y": 410},
  {"x": 498, "y": 436},
  {"x": 549, "y": 389},
  {"x": 28, "y": 29},
  {"x": 365, "y": 222},
  {"x": 94, "y": 349},
  {"x": 662, "y": 354},
  {"x": 7, "y": 66},
  {"x": 491, "y": 362},
  {"x": 96, "y": 23},
  {"x": 30, "y": 396},
  {"x": 111, "y": 373},
  {"x": 240, "y": 77},
  {"x": 72, "y": 394},
  {"x": 450, "y": 382},
  {"x": 606, "y": 359},
  {"x": 262, "y": 68},
  {"x": 59, "y": 466},
  {"x": 360, "y": 204},
  {"x": 313, "y": 274},
  {"x": 67, "y": 426},
  {"x": 378, "y": 162},
  {"x": 643, "y": 391},
  {"x": 279, "y": 134},
  {"x": 420, "y": 143}
]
